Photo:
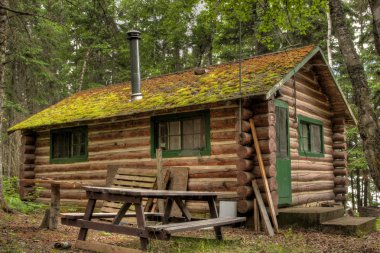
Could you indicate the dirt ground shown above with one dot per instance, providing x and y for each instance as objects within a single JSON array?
[{"x": 21, "y": 233}]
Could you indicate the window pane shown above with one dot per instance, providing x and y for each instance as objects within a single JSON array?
[
  {"x": 304, "y": 137},
  {"x": 188, "y": 126},
  {"x": 162, "y": 136},
  {"x": 175, "y": 142},
  {"x": 198, "y": 126},
  {"x": 188, "y": 141},
  {"x": 315, "y": 135},
  {"x": 174, "y": 128}
]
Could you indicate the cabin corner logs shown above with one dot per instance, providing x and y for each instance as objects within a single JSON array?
[
  {"x": 27, "y": 161},
  {"x": 247, "y": 164}
]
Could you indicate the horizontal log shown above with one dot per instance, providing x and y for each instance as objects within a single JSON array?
[
  {"x": 339, "y": 145},
  {"x": 263, "y": 107},
  {"x": 223, "y": 124},
  {"x": 70, "y": 176},
  {"x": 67, "y": 194},
  {"x": 264, "y": 120},
  {"x": 296, "y": 156},
  {"x": 338, "y": 121},
  {"x": 245, "y": 152},
  {"x": 340, "y": 189},
  {"x": 223, "y": 149},
  {"x": 76, "y": 167},
  {"x": 310, "y": 197},
  {"x": 27, "y": 174},
  {"x": 305, "y": 176},
  {"x": 244, "y": 164},
  {"x": 312, "y": 166},
  {"x": 212, "y": 173},
  {"x": 341, "y": 180},
  {"x": 270, "y": 171},
  {"x": 245, "y": 113},
  {"x": 28, "y": 149},
  {"x": 268, "y": 159},
  {"x": 245, "y": 205},
  {"x": 272, "y": 183},
  {"x": 222, "y": 112},
  {"x": 217, "y": 184},
  {"x": 244, "y": 125},
  {"x": 340, "y": 172},
  {"x": 340, "y": 163},
  {"x": 340, "y": 198},
  {"x": 244, "y": 191},
  {"x": 340, "y": 155},
  {"x": 312, "y": 186},
  {"x": 244, "y": 177},
  {"x": 28, "y": 158},
  {"x": 116, "y": 144},
  {"x": 28, "y": 140},
  {"x": 228, "y": 135},
  {"x": 339, "y": 137},
  {"x": 263, "y": 133},
  {"x": 27, "y": 167}
]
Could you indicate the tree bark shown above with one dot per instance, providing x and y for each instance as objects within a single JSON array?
[
  {"x": 367, "y": 121},
  {"x": 352, "y": 189},
  {"x": 3, "y": 46},
  {"x": 375, "y": 9},
  {"x": 358, "y": 189},
  {"x": 84, "y": 67},
  {"x": 329, "y": 28}
]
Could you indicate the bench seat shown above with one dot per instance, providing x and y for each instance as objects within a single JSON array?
[{"x": 193, "y": 225}]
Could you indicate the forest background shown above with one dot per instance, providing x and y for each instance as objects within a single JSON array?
[{"x": 54, "y": 48}]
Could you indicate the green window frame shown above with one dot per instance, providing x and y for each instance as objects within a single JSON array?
[
  {"x": 183, "y": 126},
  {"x": 69, "y": 145},
  {"x": 310, "y": 137}
]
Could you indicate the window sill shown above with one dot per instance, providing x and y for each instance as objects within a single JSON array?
[
  {"x": 68, "y": 160},
  {"x": 182, "y": 153},
  {"x": 310, "y": 154}
]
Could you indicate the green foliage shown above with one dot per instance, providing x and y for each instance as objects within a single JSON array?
[{"x": 13, "y": 199}]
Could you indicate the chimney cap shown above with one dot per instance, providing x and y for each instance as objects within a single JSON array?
[{"x": 133, "y": 34}]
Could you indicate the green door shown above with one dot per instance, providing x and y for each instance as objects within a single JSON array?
[{"x": 283, "y": 176}]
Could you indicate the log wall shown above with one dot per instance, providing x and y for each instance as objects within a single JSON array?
[
  {"x": 312, "y": 177},
  {"x": 125, "y": 142},
  {"x": 27, "y": 160},
  {"x": 247, "y": 164}
]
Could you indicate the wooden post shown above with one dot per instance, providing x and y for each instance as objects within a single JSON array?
[
  {"x": 54, "y": 206},
  {"x": 256, "y": 217},
  {"x": 263, "y": 174},
  {"x": 161, "y": 206}
]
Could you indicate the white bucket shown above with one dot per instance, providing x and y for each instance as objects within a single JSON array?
[{"x": 227, "y": 209}]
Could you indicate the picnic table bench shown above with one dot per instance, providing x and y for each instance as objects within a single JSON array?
[{"x": 134, "y": 197}]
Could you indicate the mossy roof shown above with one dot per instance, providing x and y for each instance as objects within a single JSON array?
[{"x": 260, "y": 74}]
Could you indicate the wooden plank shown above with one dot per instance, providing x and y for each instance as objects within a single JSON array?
[
  {"x": 256, "y": 218},
  {"x": 103, "y": 248},
  {"x": 263, "y": 174},
  {"x": 87, "y": 216},
  {"x": 133, "y": 184},
  {"x": 135, "y": 178},
  {"x": 262, "y": 209},
  {"x": 178, "y": 182}
]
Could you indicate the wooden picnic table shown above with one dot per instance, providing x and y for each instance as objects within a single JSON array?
[{"x": 135, "y": 197}]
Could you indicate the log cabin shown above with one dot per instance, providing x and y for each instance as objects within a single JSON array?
[{"x": 200, "y": 120}]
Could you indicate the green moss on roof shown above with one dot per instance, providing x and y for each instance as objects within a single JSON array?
[{"x": 259, "y": 75}]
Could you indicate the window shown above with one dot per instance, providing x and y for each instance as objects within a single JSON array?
[
  {"x": 68, "y": 145},
  {"x": 186, "y": 134},
  {"x": 310, "y": 132}
]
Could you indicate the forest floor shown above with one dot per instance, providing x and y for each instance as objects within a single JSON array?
[{"x": 21, "y": 233}]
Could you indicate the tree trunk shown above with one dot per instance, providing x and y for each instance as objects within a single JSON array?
[
  {"x": 358, "y": 188},
  {"x": 329, "y": 56},
  {"x": 84, "y": 67},
  {"x": 365, "y": 187},
  {"x": 352, "y": 188},
  {"x": 3, "y": 46},
  {"x": 367, "y": 121},
  {"x": 375, "y": 9}
]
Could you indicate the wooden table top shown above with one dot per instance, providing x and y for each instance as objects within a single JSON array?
[{"x": 149, "y": 193}]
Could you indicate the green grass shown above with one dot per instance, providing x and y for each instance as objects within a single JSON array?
[
  {"x": 378, "y": 224},
  {"x": 13, "y": 200}
]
